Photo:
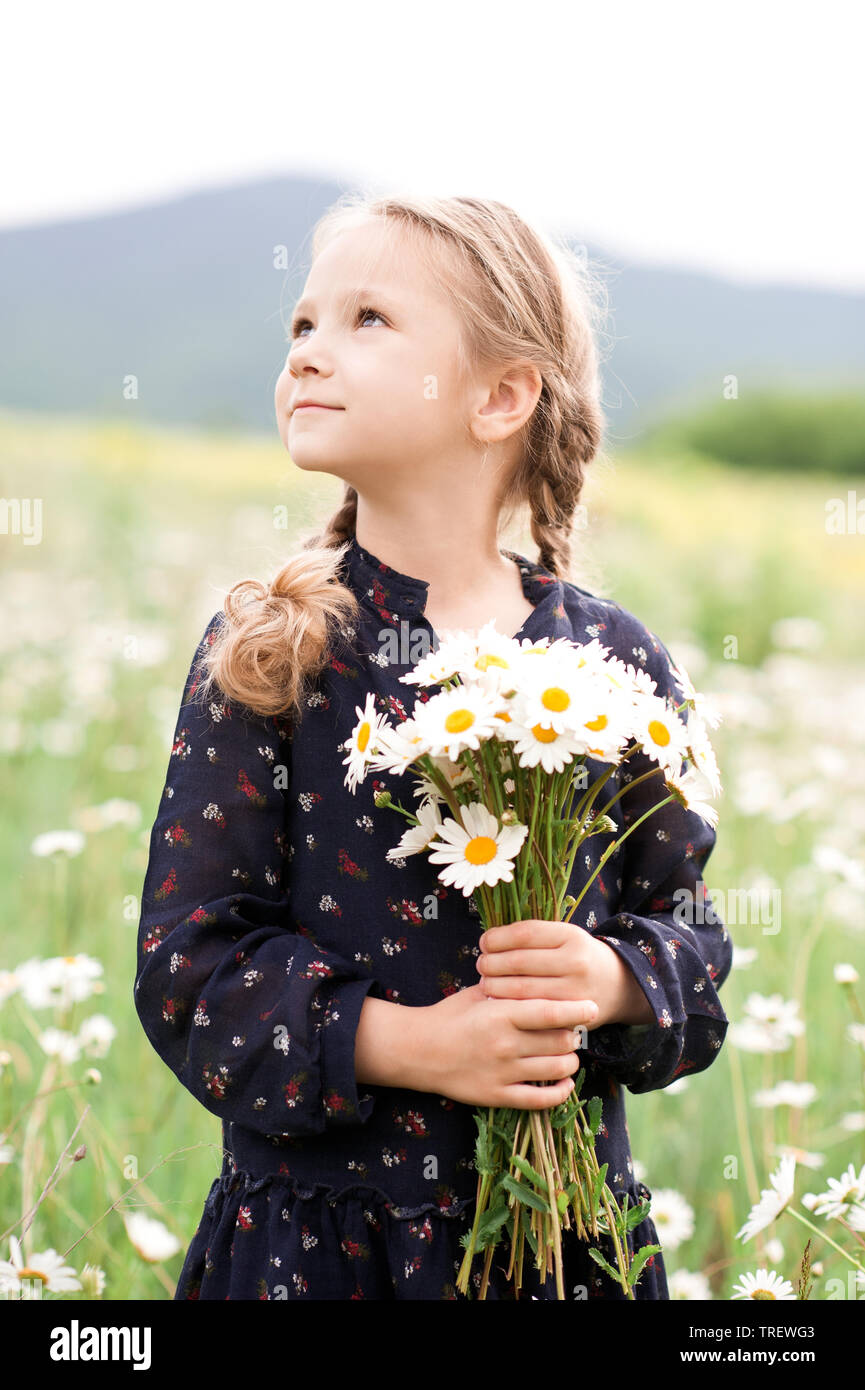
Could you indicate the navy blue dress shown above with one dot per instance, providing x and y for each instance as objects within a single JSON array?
[{"x": 270, "y": 912}]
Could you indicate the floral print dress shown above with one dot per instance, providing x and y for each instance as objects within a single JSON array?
[{"x": 270, "y": 913}]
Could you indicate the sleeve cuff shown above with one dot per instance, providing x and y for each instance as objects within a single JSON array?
[
  {"x": 340, "y": 1099},
  {"x": 632, "y": 1044}
]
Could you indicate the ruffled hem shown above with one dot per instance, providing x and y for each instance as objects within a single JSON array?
[{"x": 270, "y": 1237}]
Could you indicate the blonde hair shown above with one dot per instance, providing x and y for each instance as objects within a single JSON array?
[{"x": 520, "y": 296}]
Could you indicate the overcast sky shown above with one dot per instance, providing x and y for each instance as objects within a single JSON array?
[{"x": 719, "y": 136}]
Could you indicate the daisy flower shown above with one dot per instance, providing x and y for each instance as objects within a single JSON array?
[
  {"x": 763, "y": 1284},
  {"x": 494, "y": 660},
  {"x": 702, "y": 753},
  {"x": 683, "y": 1284},
  {"x": 686, "y": 789},
  {"x": 772, "y": 1201},
  {"x": 795, "y": 1093},
  {"x": 363, "y": 741},
  {"x": 457, "y": 719},
  {"x": 552, "y": 695},
  {"x": 40, "y": 1273},
  {"x": 417, "y": 837},
  {"x": 545, "y": 746},
  {"x": 151, "y": 1239},
  {"x": 844, "y": 1192},
  {"x": 775, "y": 1013},
  {"x": 661, "y": 732},
  {"x": 59, "y": 981},
  {"x": 397, "y": 747},
  {"x": 478, "y": 851},
  {"x": 69, "y": 842},
  {"x": 673, "y": 1217},
  {"x": 453, "y": 655}
]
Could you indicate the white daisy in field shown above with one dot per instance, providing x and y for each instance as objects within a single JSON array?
[
  {"x": 775, "y": 1013},
  {"x": 458, "y": 719},
  {"x": 40, "y": 1273},
  {"x": 743, "y": 956},
  {"x": 805, "y": 1158},
  {"x": 96, "y": 1035},
  {"x": 661, "y": 732},
  {"x": 478, "y": 851},
  {"x": 772, "y": 1201},
  {"x": 69, "y": 842},
  {"x": 152, "y": 1240},
  {"x": 765, "y": 1284},
  {"x": 843, "y": 974},
  {"x": 416, "y": 838},
  {"x": 673, "y": 1217},
  {"x": 685, "y": 1285},
  {"x": 843, "y": 1194},
  {"x": 59, "y": 981},
  {"x": 751, "y": 1036},
  {"x": 57, "y": 1043},
  {"x": 797, "y": 1094},
  {"x": 856, "y": 1033},
  {"x": 688, "y": 790},
  {"x": 363, "y": 741}
]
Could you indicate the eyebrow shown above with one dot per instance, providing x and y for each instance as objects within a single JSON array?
[{"x": 354, "y": 298}]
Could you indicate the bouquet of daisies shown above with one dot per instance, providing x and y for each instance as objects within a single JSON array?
[{"x": 501, "y": 755}]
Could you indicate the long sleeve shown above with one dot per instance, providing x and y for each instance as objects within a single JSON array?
[
  {"x": 667, "y": 931},
  {"x": 253, "y": 1018}
]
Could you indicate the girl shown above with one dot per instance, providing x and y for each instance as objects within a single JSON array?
[{"x": 334, "y": 1008}]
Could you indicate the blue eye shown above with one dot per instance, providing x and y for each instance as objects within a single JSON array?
[{"x": 362, "y": 313}]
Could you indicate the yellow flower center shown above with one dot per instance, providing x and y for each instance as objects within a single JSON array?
[
  {"x": 555, "y": 698},
  {"x": 659, "y": 733},
  {"x": 480, "y": 849},
  {"x": 503, "y": 714},
  {"x": 763, "y": 1293},
  {"x": 459, "y": 720},
  {"x": 28, "y": 1273},
  {"x": 363, "y": 736},
  {"x": 489, "y": 659},
  {"x": 544, "y": 735},
  {"x": 597, "y": 724}
]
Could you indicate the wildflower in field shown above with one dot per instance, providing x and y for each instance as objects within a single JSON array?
[
  {"x": 772, "y": 1201},
  {"x": 109, "y": 813},
  {"x": 93, "y": 1281},
  {"x": 96, "y": 1035},
  {"x": 44, "y": 1272},
  {"x": 743, "y": 956},
  {"x": 685, "y": 1285},
  {"x": 152, "y": 1240},
  {"x": 805, "y": 1158},
  {"x": 59, "y": 981},
  {"x": 843, "y": 1194},
  {"x": 55, "y": 1042},
  {"x": 69, "y": 842},
  {"x": 793, "y": 1093},
  {"x": 845, "y": 974},
  {"x": 832, "y": 861},
  {"x": 765, "y": 1284},
  {"x": 856, "y": 1033},
  {"x": 673, "y": 1217}
]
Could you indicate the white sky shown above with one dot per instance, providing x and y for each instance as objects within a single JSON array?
[{"x": 717, "y": 136}]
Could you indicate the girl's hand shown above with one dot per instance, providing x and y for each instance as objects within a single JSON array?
[
  {"x": 488, "y": 1052},
  {"x": 534, "y": 959}
]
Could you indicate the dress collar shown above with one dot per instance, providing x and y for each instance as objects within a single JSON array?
[{"x": 394, "y": 595}]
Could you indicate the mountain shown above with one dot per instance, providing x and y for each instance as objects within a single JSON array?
[{"x": 184, "y": 298}]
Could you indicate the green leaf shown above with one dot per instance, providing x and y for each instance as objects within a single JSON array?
[
  {"x": 594, "y": 1117},
  {"x": 526, "y": 1223},
  {"x": 491, "y": 1223},
  {"x": 637, "y": 1214},
  {"x": 525, "y": 1194},
  {"x": 639, "y": 1260},
  {"x": 599, "y": 1260},
  {"x": 528, "y": 1171}
]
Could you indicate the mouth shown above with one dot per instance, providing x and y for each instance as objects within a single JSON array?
[{"x": 316, "y": 407}]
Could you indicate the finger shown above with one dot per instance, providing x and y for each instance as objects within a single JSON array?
[
  {"x": 538, "y": 1097},
  {"x": 528, "y": 933},
  {"x": 550, "y": 1042},
  {"x": 548, "y": 1068},
  {"x": 527, "y": 987},
  {"x": 534, "y": 962},
  {"x": 551, "y": 1013}
]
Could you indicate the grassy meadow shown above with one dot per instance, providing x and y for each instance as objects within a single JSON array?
[{"x": 143, "y": 530}]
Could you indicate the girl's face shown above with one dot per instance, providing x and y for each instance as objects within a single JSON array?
[{"x": 374, "y": 337}]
